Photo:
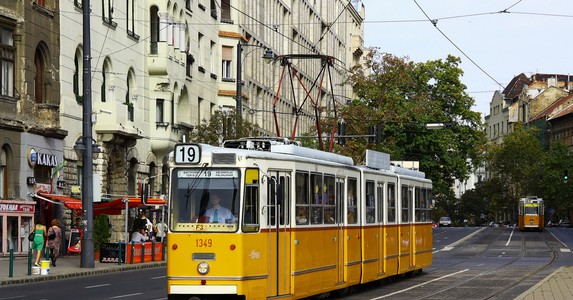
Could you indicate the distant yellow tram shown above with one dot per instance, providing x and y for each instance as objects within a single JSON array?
[
  {"x": 268, "y": 219},
  {"x": 531, "y": 212}
]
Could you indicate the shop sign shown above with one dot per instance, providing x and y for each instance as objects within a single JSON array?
[
  {"x": 61, "y": 184},
  {"x": 43, "y": 187},
  {"x": 14, "y": 207},
  {"x": 30, "y": 180},
  {"x": 41, "y": 159}
]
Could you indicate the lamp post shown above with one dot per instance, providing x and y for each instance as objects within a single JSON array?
[
  {"x": 269, "y": 55},
  {"x": 87, "y": 252}
]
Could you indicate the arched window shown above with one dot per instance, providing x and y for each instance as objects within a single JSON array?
[
  {"x": 78, "y": 75},
  {"x": 154, "y": 28},
  {"x": 38, "y": 76},
  {"x": 3, "y": 173},
  {"x": 130, "y": 95}
]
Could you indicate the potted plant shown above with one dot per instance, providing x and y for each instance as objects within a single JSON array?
[{"x": 101, "y": 233}]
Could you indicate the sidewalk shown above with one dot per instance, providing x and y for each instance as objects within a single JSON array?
[
  {"x": 66, "y": 266},
  {"x": 558, "y": 285}
]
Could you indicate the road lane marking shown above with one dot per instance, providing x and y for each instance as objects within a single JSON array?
[
  {"x": 96, "y": 286},
  {"x": 452, "y": 245},
  {"x": 509, "y": 240},
  {"x": 15, "y": 297},
  {"x": 565, "y": 250},
  {"x": 419, "y": 285},
  {"x": 159, "y": 277},
  {"x": 127, "y": 295}
]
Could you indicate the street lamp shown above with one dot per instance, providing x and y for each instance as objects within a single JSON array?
[{"x": 269, "y": 55}]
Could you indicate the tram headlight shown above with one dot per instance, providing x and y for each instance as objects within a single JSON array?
[{"x": 203, "y": 268}]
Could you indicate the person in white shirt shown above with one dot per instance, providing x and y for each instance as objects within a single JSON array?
[
  {"x": 160, "y": 229},
  {"x": 218, "y": 213},
  {"x": 139, "y": 236}
]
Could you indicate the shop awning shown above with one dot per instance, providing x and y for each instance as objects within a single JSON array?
[
  {"x": 116, "y": 207},
  {"x": 69, "y": 202},
  {"x": 155, "y": 201}
]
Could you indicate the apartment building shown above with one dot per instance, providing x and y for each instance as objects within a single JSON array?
[
  {"x": 31, "y": 136},
  {"x": 158, "y": 68}
]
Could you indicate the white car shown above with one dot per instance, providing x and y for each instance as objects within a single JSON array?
[{"x": 445, "y": 221}]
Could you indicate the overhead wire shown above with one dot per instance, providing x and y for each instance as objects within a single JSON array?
[{"x": 435, "y": 23}]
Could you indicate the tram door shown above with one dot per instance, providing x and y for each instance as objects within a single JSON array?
[
  {"x": 279, "y": 198},
  {"x": 340, "y": 226}
]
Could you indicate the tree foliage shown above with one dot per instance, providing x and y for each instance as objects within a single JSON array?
[
  {"x": 401, "y": 97},
  {"x": 223, "y": 126}
]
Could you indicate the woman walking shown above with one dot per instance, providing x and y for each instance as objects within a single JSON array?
[
  {"x": 54, "y": 240},
  {"x": 38, "y": 243}
]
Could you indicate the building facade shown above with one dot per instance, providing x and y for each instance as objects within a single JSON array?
[
  {"x": 158, "y": 68},
  {"x": 31, "y": 135}
]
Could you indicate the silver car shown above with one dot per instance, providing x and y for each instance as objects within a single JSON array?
[{"x": 445, "y": 221}]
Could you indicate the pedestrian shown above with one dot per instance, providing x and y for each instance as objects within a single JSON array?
[
  {"x": 38, "y": 242},
  {"x": 160, "y": 229},
  {"x": 148, "y": 226},
  {"x": 54, "y": 241}
]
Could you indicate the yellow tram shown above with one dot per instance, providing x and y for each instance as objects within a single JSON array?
[
  {"x": 264, "y": 219},
  {"x": 531, "y": 213}
]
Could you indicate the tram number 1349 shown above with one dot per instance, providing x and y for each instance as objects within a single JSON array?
[
  {"x": 204, "y": 243},
  {"x": 187, "y": 154}
]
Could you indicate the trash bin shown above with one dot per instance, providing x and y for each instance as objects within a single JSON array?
[{"x": 44, "y": 267}]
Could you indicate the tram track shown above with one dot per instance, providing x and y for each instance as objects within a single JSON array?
[{"x": 498, "y": 271}]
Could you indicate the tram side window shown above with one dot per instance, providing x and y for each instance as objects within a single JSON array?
[
  {"x": 317, "y": 199},
  {"x": 251, "y": 206},
  {"x": 351, "y": 212},
  {"x": 302, "y": 198},
  {"x": 391, "y": 203},
  {"x": 329, "y": 203},
  {"x": 380, "y": 202},
  {"x": 405, "y": 204},
  {"x": 419, "y": 210},
  {"x": 428, "y": 205},
  {"x": 284, "y": 204},
  {"x": 370, "y": 202}
]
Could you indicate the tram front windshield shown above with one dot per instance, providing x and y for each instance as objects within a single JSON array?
[
  {"x": 531, "y": 209},
  {"x": 205, "y": 200}
]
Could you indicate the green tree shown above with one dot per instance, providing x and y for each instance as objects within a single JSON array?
[
  {"x": 552, "y": 186},
  {"x": 222, "y": 126},
  {"x": 516, "y": 165},
  {"x": 400, "y": 97}
]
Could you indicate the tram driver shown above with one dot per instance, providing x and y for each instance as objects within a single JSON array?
[{"x": 217, "y": 213}]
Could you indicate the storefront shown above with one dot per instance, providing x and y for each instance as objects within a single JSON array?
[{"x": 16, "y": 219}]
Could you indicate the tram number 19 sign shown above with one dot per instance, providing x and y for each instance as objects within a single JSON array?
[{"x": 187, "y": 154}]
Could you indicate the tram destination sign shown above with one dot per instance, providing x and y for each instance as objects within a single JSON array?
[
  {"x": 187, "y": 154},
  {"x": 207, "y": 174}
]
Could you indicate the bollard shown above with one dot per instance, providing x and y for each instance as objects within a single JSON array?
[
  {"x": 152, "y": 250},
  {"x": 142, "y": 252},
  {"x": 11, "y": 269},
  {"x": 30, "y": 262},
  {"x": 119, "y": 256},
  {"x": 163, "y": 248}
]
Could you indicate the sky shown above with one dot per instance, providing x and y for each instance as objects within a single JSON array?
[{"x": 531, "y": 36}]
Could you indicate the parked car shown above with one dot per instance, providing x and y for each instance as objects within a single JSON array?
[{"x": 445, "y": 222}]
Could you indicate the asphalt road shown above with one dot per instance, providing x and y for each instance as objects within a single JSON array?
[{"x": 469, "y": 263}]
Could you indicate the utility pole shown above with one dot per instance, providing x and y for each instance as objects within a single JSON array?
[
  {"x": 87, "y": 252},
  {"x": 239, "y": 96}
]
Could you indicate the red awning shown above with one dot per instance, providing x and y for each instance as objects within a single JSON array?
[
  {"x": 69, "y": 202},
  {"x": 115, "y": 207},
  {"x": 155, "y": 201}
]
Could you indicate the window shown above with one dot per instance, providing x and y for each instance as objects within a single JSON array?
[
  {"x": 302, "y": 196},
  {"x": 380, "y": 200},
  {"x": 351, "y": 208},
  {"x": 199, "y": 50},
  {"x": 391, "y": 203},
  {"x": 213, "y": 8},
  {"x": 39, "y": 76},
  {"x": 317, "y": 199},
  {"x": 103, "y": 83},
  {"x": 41, "y": 2},
  {"x": 370, "y": 202},
  {"x": 130, "y": 18},
  {"x": 154, "y": 28},
  {"x": 406, "y": 199},
  {"x": 107, "y": 12},
  {"x": 78, "y": 75},
  {"x": 226, "y": 11},
  {"x": 212, "y": 57},
  {"x": 329, "y": 200},
  {"x": 7, "y": 55},
  {"x": 251, "y": 206},
  {"x": 159, "y": 110},
  {"x": 227, "y": 56},
  {"x": 129, "y": 96}
]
